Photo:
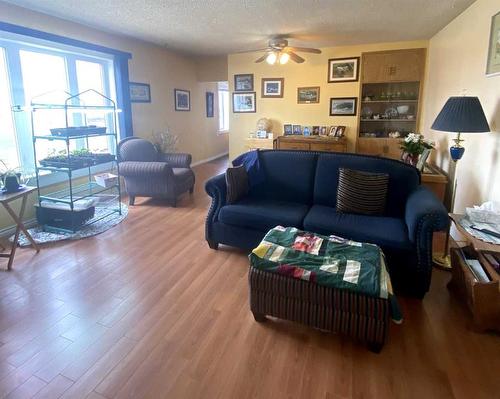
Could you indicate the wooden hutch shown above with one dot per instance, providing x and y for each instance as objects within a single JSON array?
[{"x": 390, "y": 96}]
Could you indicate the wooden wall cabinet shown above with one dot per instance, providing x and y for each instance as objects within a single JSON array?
[
  {"x": 393, "y": 66},
  {"x": 390, "y": 97}
]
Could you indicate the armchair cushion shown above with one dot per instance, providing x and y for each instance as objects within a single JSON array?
[
  {"x": 237, "y": 184},
  {"x": 424, "y": 208},
  {"x": 381, "y": 230},
  {"x": 262, "y": 214},
  {"x": 176, "y": 160},
  {"x": 143, "y": 169},
  {"x": 138, "y": 150}
]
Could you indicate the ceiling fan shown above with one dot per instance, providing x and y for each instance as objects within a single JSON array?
[{"x": 279, "y": 52}]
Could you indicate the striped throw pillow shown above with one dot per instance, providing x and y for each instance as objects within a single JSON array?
[
  {"x": 361, "y": 192},
  {"x": 237, "y": 184}
]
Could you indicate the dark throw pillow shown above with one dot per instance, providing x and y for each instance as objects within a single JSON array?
[
  {"x": 237, "y": 184},
  {"x": 361, "y": 192}
]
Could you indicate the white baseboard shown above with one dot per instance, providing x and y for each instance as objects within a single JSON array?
[
  {"x": 210, "y": 159},
  {"x": 8, "y": 231}
]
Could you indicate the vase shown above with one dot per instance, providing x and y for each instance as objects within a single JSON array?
[{"x": 411, "y": 159}]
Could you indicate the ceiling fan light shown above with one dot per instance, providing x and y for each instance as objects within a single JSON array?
[
  {"x": 271, "y": 58},
  {"x": 284, "y": 57}
]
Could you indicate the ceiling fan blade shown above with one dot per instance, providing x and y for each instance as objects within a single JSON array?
[
  {"x": 252, "y": 51},
  {"x": 298, "y": 59},
  {"x": 260, "y": 59},
  {"x": 305, "y": 50}
]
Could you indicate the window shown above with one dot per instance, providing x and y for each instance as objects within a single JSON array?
[
  {"x": 8, "y": 144},
  {"x": 223, "y": 90},
  {"x": 45, "y": 72}
]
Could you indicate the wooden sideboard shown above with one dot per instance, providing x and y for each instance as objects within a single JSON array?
[
  {"x": 311, "y": 143},
  {"x": 259, "y": 144}
]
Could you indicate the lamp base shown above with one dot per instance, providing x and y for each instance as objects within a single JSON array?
[{"x": 441, "y": 261}]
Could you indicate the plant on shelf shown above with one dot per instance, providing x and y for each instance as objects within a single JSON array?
[
  {"x": 413, "y": 145},
  {"x": 10, "y": 177},
  {"x": 165, "y": 141}
]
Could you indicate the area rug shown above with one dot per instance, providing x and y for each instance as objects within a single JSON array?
[{"x": 43, "y": 237}]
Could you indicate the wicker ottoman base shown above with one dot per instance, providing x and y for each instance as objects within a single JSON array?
[{"x": 361, "y": 317}]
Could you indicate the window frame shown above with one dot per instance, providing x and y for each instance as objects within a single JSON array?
[
  {"x": 13, "y": 44},
  {"x": 223, "y": 87}
]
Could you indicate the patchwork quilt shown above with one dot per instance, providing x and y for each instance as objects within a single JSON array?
[{"x": 330, "y": 261}]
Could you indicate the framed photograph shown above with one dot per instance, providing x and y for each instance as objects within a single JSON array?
[
  {"x": 332, "y": 131},
  {"x": 308, "y": 95},
  {"x": 343, "y": 106},
  {"x": 297, "y": 129},
  {"x": 306, "y": 131},
  {"x": 340, "y": 131},
  {"x": 315, "y": 130},
  {"x": 323, "y": 131},
  {"x": 493, "y": 64},
  {"x": 210, "y": 104},
  {"x": 272, "y": 87},
  {"x": 343, "y": 70},
  {"x": 244, "y": 102},
  {"x": 139, "y": 92},
  {"x": 243, "y": 82},
  {"x": 182, "y": 100},
  {"x": 287, "y": 129}
]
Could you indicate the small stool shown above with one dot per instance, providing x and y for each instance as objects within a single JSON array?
[{"x": 339, "y": 311}]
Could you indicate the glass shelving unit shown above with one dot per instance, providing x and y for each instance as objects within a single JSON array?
[{"x": 74, "y": 161}]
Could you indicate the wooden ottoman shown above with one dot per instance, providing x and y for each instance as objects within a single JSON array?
[{"x": 295, "y": 297}]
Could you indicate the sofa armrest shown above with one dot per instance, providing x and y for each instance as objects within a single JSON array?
[
  {"x": 424, "y": 211},
  {"x": 177, "y": 160},
  {"x": 143, "y": 169}
]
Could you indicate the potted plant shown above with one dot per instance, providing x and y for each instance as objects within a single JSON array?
[
  {"x": 413, "y": 145},
  {"x": 165, "y": 141},
  {"x": 10, "y": 178}
]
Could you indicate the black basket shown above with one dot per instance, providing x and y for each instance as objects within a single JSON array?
[{"x": 63, "y": 218}]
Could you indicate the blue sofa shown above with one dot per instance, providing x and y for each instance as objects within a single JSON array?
[{"x": 299, "y": 189}]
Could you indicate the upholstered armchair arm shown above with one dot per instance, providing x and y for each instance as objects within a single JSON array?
[
  {"x": 424, "y": 213},
  {"x": 143, "y": 169},
  {"x": 176, "y": 160},
  {"x": 216, "y": 188}
]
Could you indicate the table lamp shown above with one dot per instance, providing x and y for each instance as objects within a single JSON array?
[{"x": 459, "y": 115}]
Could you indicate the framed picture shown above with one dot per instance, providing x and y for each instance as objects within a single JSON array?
[
  {"x": 287, "y": 129},
  {"x": 243, "y": 82},
  {"x": 272, "y": 87},
  {"x": 139, "y": 92},
  {"x": 323, "y": 131},
  {"x": 308, "y": 95},
  {"x": 332, "y": 131},
  {"x": 340, "y": 131},
  {"x": 315, "y": 130},
  {"x": 244, "y": 102},
  {"x": 343, "y": 106},
  {"x": 210, "y": 104},
  {"x": 182, "y": 100},
  {"x": 493, "y": 64},
  {"x": 297, "y": 129},
  {"x": 306, "y": 131},
  {"x": 343, "y": 70}
]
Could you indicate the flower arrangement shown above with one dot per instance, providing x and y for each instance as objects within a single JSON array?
[
  {"x": 415, "y": 144},
  {"x": 165, "y": 141}
]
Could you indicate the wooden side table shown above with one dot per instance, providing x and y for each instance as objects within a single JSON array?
[{"x": 5, "y": 200}]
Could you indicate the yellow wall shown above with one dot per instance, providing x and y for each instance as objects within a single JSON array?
[
  {"x": 162, "y": 69},
  {"x": 210, "y": 69},
  {"x": 457, "y": 61},
  {"x": 311, "y": 73}
]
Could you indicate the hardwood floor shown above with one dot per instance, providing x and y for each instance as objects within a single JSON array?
[{"x": 147, "y": 310}]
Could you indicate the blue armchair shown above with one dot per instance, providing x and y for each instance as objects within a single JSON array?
[{"x": 299, "y": 189}]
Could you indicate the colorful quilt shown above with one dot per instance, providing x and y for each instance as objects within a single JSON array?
[{"x": 329, "y": 261}]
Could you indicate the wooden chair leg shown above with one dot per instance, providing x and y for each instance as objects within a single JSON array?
[
  {"x": 191, "y": 190},
  {"x": 131, "y": 200}
]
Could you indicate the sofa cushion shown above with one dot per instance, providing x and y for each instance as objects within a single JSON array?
[
  {"x": 381, "y": 230},
  {"x": 287, "y": 176},
  {"x": 403, "y": 179},
  {"x": 237, "y": 184},
  {"x": 361, "y": 192},
  {"x": 261, "y": 214}
]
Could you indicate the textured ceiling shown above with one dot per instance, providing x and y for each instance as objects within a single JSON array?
[{"x": 214, "y": 27}]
